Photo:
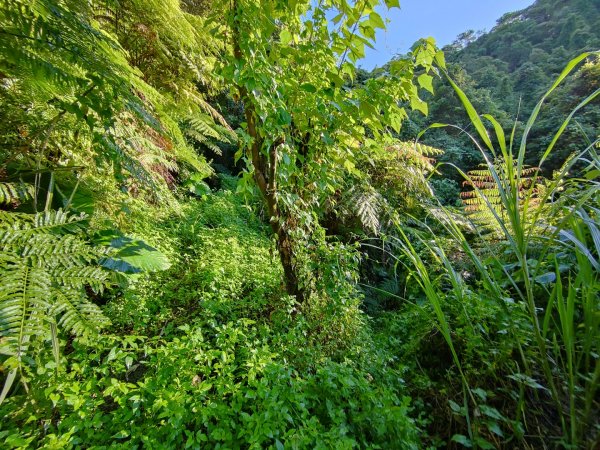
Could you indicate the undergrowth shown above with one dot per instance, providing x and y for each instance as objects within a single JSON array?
[{"x": 212, "y": 353}]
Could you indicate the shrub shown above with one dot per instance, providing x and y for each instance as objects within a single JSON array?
[{"x": 209, "y": 386}]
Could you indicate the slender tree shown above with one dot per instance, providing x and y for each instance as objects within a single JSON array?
[{"x": 293, "y": 66}]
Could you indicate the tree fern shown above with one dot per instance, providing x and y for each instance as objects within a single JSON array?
[
  {"x": 400, "y": 174},
  {"x": 47, "y": 266},
  {"x": 70, "y": 61},
  {"x": 482, "y": 200},
  {"x": 394, "y": 179}
]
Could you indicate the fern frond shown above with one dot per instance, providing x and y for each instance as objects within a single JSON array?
[
  {"x": 418, "y": 155},
  {"x": 77, "y": 314},
  {"x": 186, "y": 154},
  {"x": 75, "y": 277},
  {"x": 204, "y": 140},
  {"x": 202, "y": 126},
  {"x": 484, "y": 203},
  {"x": 19, "y": 228},
  {"x": 23, "y": 299},
  {"x": 203, "y": 130},
  {"x": 45, "y": 265},
  {"x": 364, "y": 203},
  {"x": 15, "y": 192},
  {"x": 210, "y": 110}
]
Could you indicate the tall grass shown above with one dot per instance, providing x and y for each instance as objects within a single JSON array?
[{"x": 561, "y": 299}]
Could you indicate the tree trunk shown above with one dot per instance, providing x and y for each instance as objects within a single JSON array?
[
  {"x": 286, "y": 255},
  {"x": 265, "y": 176}
]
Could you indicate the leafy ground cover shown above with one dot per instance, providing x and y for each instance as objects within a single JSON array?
[{"x": 202, "y": 354}]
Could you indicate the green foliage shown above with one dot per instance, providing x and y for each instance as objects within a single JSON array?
[
  {"x": 90, "y": 108},
  {"x": 506, "y": 70},
  {"x": 214, "y": 249},
  {"x": 248, "y": 328},
  {"x": 14, "y": 192},
  {"x": 215, "y": 385},
  {"x": 49, "y": 269},
  {"x": 531, "y": 285},
  {"x": 308, "y": 123},
  {"x": 447, "y": 191},
  {"x": 46, "y": 264},
  {"x": 483, "y": 199},
  {"x": 386, "y": 185},
  {"x": 85, "y": 73},
  {"x": 230, "y": 359},
  {"x": 77, "y": 110}
]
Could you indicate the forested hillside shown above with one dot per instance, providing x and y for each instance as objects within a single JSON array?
[
  {"x": 507, "y": 70},
  {"x": 217, "y": 231}
]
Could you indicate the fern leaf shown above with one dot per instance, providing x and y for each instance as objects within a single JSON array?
[
  {"x": 23, "y": 299},
  {"x": 14, "y": 192},
  {"x": 365, "y": 204},
  {"x": 77, "y": 314}
]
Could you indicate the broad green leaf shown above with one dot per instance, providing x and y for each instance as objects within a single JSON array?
[
  {"x": 440, "y": 59},
  {"x": 399, "y": 67},
  {"x": 426, "y": 82},
  {"x": 285, "y": 37},
  {"x": 307, "y": 87},
  {"x": 491, "y": 412},
  {"x": 335, "y": 79},
  {"x": 376, "y": 20},
  {"x": 419, "y": 105},
  {"x": 547, "y": 278},
  {"x": 284, "y": 117},
  {"x": 132, "y": 255},
  {"x": 527, "y": 380},
  {"x": 395, "y": 122},
  {"x": 482, "y": 443},
  {"x": 337, "y": 18},
  {"x": 480, "y": 393},
  {"x": 462, "y": 439},
  {"x": 495, "y": 428},
  {"x": 367, "y": 30},
  {"x": 454, "y": 406}
]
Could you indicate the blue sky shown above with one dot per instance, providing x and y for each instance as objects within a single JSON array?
[{"x": 442, "y": 19}]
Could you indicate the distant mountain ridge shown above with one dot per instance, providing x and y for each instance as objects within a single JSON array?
[
  {"x": 542, "y": 37},
  {"x": 507, "y": 70}
]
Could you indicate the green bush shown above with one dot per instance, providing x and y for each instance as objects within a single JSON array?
[
  {"x": 208, "y": 386},
  {"x": 224, "y": 267},
  {"x": 521, "y": 330},
  {"x": 212, "y": 353}
]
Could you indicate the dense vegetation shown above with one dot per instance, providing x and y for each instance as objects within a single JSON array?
[{"x": 217, "y": 232}]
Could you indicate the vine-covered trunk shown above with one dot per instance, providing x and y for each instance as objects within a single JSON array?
[
  {"x": 285, "y": 246},
  {"x": 281, "y": 225},
  {"x": 265, "y": 176}
]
